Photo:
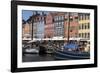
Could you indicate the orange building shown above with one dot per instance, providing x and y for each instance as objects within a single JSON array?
[{"x": 26, "y": 30}]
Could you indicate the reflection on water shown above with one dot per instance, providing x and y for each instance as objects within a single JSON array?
[{"x": 37, "y": 57}]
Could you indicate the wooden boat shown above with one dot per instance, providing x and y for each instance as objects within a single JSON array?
[{"x": 71, "y": 55}]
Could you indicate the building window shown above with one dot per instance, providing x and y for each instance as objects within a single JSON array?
[
  {"x": 76, "y": 19},
  {"x": 88, "y": 16},
  {"x": 85, "y": 35},
  {"x": 88, "y": 35},
  {"x": 82, "y": 26},
  {"x": 62, "y": 23},
  {"x": 54, "y": 18},
  {"x": 84, "y": 16},
  {"x": 82, "y": 35},
  {"x": 56, "y": 24},
  {"x": 71, "y": 19},
  {"x": 88, "y": 25},
  {"x": 62, "y": 17},
  {"x": 59, "y": 23},
  {"x": 66, "y": 19},
  {"x": 85, "y": 26},
  {"x": 81, "y": 17},
  {"x": 58, "y": 17}
]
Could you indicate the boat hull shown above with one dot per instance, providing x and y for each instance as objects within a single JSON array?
[{"x": 71, "y": 55}]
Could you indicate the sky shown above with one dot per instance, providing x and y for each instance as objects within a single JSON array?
[{"x": 26, "y": 14}]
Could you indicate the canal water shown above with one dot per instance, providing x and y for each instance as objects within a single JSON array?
[{"x": 37, "y": 57}]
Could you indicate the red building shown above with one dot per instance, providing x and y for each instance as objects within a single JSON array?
[
  {"x": 71, "y": 24},
  {"x": 58, "y": 24},
  {"x": 49, "y": 26}
]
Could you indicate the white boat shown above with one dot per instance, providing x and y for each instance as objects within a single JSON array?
[{"x": 31, "y": 51}]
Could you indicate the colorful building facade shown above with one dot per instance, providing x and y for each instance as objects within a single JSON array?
[
  {"x": 59, "y": 24},
  {"x": 71, "y": 25},
  {"x": 38, "y": 26},
  {"x": 84, "y": 25},
  {"x": 26, "y": 30},
  {"x": 49, "y": 26}
]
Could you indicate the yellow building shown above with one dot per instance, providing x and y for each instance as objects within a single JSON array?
[
  {"x": 84, "y": 25},
  {"x": 84, "y": 29}
]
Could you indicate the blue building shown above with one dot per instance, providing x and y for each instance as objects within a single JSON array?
[{"x": 38, "y": 27}]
